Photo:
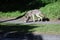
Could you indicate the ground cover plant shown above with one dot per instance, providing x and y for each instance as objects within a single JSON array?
[
  {"x": 52, "y": 10},
  {"x": 41, "y": 28}
]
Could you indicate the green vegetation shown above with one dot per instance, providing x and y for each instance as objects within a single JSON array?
[
  {"x": 52, "y": 10},
  {"x": 42, "y": 28},
  {"x": 48, "y": 1},
  {"x": 48, "y": 28},
  {"x": 10, "y": 14}
]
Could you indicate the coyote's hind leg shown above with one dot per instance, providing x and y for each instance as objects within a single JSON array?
[{"x": 38, "y": 17}]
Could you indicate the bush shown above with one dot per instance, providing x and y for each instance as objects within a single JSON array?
[
  {"x": 47, "y": 1},
  {"x": 52, "y": 10},
  {"x": 10, "y": 14}
]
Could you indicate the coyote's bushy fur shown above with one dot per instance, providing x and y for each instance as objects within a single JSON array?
[{"x": 34, "y": 13}]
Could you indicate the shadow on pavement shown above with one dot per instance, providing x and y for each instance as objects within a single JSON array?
[
  {"x": 22, "y": 36},
  {"x": 7, "y": 20},
  {"x": 18, "y": 32},
  {"x": 12, "y": 19}
]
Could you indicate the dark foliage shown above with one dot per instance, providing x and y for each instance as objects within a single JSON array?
[
  {"x": 21, "y": 5},
  {"x": 22, "y": 32}
]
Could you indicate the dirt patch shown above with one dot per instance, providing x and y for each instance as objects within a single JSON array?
[
  {"x": 23, "y": 19},
  {"x": 54, "y": 20}
]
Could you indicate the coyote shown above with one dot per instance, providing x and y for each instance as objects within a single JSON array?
[{"x": 34, "y": 13}]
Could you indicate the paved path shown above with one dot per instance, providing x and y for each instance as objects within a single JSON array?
[
  {"x": 40, "y": 36},
  {"x": 31, "y": 37},
  {"x": 49, "y": 36},
  {"x": 18, "y": 21}
]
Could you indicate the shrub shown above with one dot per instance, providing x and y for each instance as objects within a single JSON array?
[
  {"x": 10, "y": 14},
  {"x": 52, "y": 10}
]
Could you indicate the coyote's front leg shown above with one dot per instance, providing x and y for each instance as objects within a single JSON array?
[
  {"x": 39, "y": 17},
  {"x": 28, "y": 19},
  {"x": 33, "y": 17}
]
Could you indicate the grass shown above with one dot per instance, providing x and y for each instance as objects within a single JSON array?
[
  {"x": 48, "y": 28},
  {"x": 42, "y": 28},
  {"x": 10, "y": 14},
  {"x": 52, "y": 10}
]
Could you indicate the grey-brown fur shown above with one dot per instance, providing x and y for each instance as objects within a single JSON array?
[{"x": 32, "y": 14}]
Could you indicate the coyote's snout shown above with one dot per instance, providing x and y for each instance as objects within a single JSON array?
[{"x": 34, "y": 13}]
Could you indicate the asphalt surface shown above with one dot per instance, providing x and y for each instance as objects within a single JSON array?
[
  {"x": 30, "y": 36},
  {"x": 50, "y": 36}
]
